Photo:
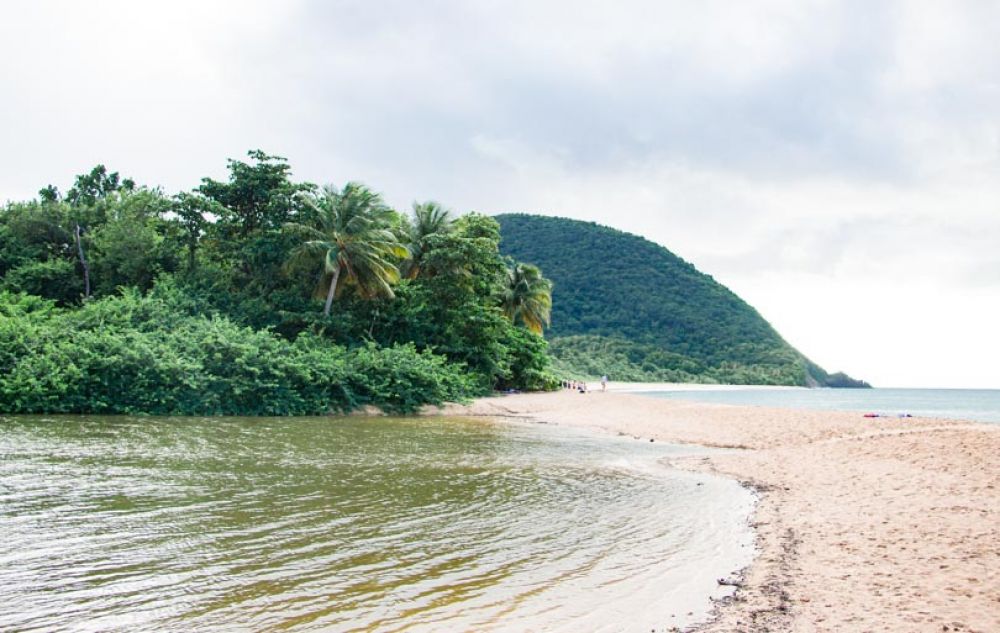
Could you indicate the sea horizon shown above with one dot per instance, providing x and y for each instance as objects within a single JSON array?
[{"x": 951, "y": 403}]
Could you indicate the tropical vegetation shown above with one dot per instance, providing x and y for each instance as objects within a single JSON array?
[
  {"x": 257, "y": 295},
  {"x": 527, "y": 298}
]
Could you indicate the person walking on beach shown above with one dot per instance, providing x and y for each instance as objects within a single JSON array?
[{"x": 604, "y": 382}]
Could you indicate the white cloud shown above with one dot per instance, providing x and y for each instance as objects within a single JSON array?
[{"x": 815, "y": 156}]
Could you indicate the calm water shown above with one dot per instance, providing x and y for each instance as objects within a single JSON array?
[
  {"x": 128, "y": 524},
  {"x": 964, "y": 404}
]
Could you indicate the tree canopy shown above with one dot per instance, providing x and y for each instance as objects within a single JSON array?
[
  {"x": 527, "y": 297},
  {"x": 351, "y": 236},
  {"x": 212, "y": 291}
]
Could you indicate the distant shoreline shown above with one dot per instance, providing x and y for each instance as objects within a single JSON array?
[
  {"x": 863, "y": 524},
  {"x": 632, "y": 387}
]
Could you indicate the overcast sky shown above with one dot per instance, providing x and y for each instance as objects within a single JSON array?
[{"x": 837, "y": 164}]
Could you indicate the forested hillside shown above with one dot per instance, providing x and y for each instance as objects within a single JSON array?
[{"x": 630, "y": 308}]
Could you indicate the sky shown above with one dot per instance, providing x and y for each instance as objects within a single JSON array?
[{"x": 836, "y": 164}]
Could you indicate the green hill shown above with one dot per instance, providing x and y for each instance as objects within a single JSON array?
[{"x": 630, "y": 308}]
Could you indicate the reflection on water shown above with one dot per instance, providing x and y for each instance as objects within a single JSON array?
[{"x": 352, "y": 524}]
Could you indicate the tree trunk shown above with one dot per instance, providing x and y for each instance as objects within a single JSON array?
[
  {"x": 331, "y": 292},
  {"x": 83, "y": 262}
]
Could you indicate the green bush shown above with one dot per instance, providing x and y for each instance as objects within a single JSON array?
[
  {"x": 55, "y": 279},
  {"x": 134, "y": 354},
  {"x": 530, "y": 368},
  {"x": 196, "y": 305},
  {"x": 401, "y": 379}
]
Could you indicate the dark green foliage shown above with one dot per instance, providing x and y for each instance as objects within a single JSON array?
[
  {"x": 131, "y": 249},
  {"x": 529, "y": 363},
  {"x": 196, "y": 306},
  {"x": 401, "y": 379},
  {"x": 89, "y": 188},
  {"x": 135, "y": 354},
  {"x": 629, "y": 308},
  {"x": 350, "y": 241},
  {"x": 258, "y": 196},
  {"x": 430, "y": 219},
  {"x": 54, "y": 279},
  {"x": 527, "y": 297},
  {"x": 245, "y": 240},
  {"x": 585, "y": 356},
  {"x": 840, "y": 380},
  {"x": 33, "y": 232},
  {"x": 453, "y": 308},
  {"x": 191, "y": 213},
  {"x": 125, "y": 235}
]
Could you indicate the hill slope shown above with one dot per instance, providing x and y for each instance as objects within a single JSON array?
[{"x": 630, "y": 308}]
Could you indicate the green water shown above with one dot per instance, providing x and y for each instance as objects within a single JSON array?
[{"x": 353, "y": 524}]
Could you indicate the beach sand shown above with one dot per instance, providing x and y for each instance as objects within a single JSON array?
[{"x": 863, "y": 524}]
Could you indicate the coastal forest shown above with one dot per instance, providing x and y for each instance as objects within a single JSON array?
[
  {"x": 257, "y": 295},
  {"x": 629, "y": 308}
]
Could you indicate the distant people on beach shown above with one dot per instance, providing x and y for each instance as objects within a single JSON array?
[
  {"x": 575, "y": 385},
  {"x": 604, "y": 382}
]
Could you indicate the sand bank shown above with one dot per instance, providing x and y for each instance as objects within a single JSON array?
[
  {"x": 630, "y": 387},
  {"x": 863, "y": 524}
]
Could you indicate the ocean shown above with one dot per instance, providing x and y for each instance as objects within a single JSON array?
[{"x": 982, "y": 405}]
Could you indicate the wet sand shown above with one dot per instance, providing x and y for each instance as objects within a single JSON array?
[{"x": 862, "y": 525}]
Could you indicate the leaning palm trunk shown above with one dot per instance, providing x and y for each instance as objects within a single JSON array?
[
  {"x": 332, "y": 291},
  {"x": 352, "y": 236}
]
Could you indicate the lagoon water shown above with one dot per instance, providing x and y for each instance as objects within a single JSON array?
[
  {"x": 982, "y": 405},
  {"x": 127, "y": 524}
]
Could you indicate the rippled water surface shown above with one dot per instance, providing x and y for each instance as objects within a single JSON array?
[{"x": 353, "y": 524}]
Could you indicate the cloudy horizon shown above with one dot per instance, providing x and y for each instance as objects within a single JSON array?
[{"x": 836, "y": 164}]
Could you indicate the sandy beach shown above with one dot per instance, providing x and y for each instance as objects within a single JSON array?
[{"x": 862, "y": 525}]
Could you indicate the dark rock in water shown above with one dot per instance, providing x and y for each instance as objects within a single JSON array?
[{"x": 840, "y": 380}]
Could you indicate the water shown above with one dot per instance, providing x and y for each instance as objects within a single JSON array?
[
  {"x": 962, "y": 404},
  {"x": 124, "y": 524}
]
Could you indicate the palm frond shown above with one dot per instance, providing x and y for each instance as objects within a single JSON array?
[
  {"x": 528, "y": 297},
  {"x": 354, "y": 234}
]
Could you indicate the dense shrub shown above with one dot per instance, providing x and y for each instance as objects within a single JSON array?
[
  {"x": 401, "y": 379},
  {"x": 135, "y": 354},
  {"x": 205, "y": 302},
  {"x": 529, "y": 363},
  {"x": 55, "y": 279}
]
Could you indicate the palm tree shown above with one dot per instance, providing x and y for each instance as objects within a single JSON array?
[
  {"x": 528, "y": 297},
  {"x": 429, "y": 219},
  {"x": 352, "y": 237}
]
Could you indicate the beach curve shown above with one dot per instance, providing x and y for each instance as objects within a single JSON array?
[{"x": 863, "y": 524}]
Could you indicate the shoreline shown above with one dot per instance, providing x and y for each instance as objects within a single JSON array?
[{"x": 861, "y": 524}]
